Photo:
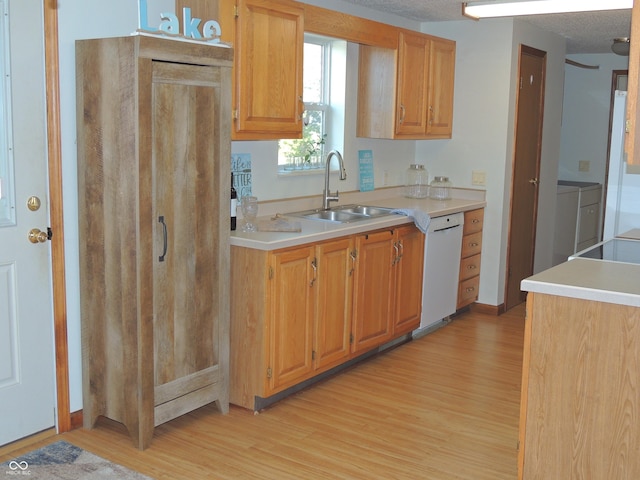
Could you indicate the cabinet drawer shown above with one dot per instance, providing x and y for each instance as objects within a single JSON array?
[
  {"x": 473, "y": 221},
  {"x": 471, "y": 244},
  {"x": 469, "y": 267},
  {"x": 468, "y": 291},
  {"x": 590, "y": 196}
]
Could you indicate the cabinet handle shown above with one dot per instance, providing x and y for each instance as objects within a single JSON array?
[
  {"x": 397, "y": 257},
  {"x": 401, "y": 250},
  {"x": 164, "y": 238},
  {"x": 353, "y": 262},
  {"x": 430, "y": 114},
  {"x": 314, "y": 265},
  {"x": 471, "y": 267},
  {"x": 475, "y": 220},
  {"x": 470, "y": 289},
  {"x": 301, "y": 116},
  {"x": 403, "y": 111},
  {"x": 474, "y": 244}
]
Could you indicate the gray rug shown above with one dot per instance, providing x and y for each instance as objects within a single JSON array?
[{"x": 64, "y": 461}]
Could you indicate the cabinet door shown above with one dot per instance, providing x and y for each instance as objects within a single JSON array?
[
  {"x": 409, "y": 270},
  {"x": 441, "y": 79},
  {"x": 334, "y": 301},
  {"x": 182, "y": 210},
  {"x": 411, "y": 95},
  {"x": 291, "y": 309},
  {"x": 268, "y": 70},
  {"x": 374, "y": 296}
]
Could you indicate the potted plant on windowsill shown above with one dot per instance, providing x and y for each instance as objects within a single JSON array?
[
  {"x": 305, "y": 153},
  {"x": 314, "y": 149}
]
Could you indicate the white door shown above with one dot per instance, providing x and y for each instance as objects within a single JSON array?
[{"x": 27, "y": 367}]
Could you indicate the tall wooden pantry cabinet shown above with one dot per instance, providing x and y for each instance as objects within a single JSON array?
[{"x": 153, "y": 120}]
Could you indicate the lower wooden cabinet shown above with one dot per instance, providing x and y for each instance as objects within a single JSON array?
[
  {"x": 298, "y": 312},
  {"x": 579, "y": 394},
  {"x": 309, "y": 306},
  {"x": 374, "y": 297},
  {"x": 469, "y": 278},
  {"x": 409, "y": 274},
  {"x": 388, "y": 295}
]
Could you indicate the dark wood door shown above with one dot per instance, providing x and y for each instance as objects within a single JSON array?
[{"x": 526, "y": 168}]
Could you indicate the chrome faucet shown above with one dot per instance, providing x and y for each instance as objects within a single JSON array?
[{"x": 327, "y": 196}]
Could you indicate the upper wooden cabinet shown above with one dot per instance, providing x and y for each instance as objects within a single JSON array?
[
  {"x": 413, "y": 75},
  {"x": 268, "y": 38},
  {"x": 442, "y": 59},
  {"x": 409, "y": 93}
]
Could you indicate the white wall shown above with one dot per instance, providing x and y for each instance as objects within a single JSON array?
[
  {"x": 483, "y": 131},
  {"x": 585, "y": 122}
]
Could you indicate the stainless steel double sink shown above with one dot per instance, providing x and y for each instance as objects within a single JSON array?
[{"x": 344, "y": 213}]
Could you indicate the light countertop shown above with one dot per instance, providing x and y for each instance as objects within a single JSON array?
[
  {"x": 314, "y": 230},
  {"x": 589, "y": 279}
]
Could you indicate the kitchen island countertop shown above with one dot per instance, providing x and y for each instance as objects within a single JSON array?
[
  {"x": 314, "y": 230},
  {"x": 589, "y": 279}
]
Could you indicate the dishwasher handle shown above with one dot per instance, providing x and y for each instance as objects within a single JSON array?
[{"x": 448, "y": 227}]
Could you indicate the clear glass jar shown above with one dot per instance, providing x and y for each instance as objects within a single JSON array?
[
  {"x": 440, "y": 188},
  {"x": 417, "y": 184}
]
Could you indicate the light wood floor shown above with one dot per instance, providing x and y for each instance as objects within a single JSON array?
[{"x": 444, "y": 406}]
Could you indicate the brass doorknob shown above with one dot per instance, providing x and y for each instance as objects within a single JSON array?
[{"x": 38, "y": 236}]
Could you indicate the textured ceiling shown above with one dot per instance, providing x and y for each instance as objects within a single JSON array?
[{"x": 589, "y": 32}]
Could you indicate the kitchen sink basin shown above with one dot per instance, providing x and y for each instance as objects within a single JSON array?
[{"x": 344, "y": 213}]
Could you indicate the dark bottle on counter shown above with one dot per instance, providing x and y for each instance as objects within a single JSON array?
[{"x": 234, "y": 204}]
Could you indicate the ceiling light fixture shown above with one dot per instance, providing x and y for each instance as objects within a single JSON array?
[
  {"x": 512, "y": 8},
  {"x": 620, "y": 46}
]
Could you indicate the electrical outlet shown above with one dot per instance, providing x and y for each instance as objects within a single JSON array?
[
  {"x": 583, "y": 165},
  {"x": 478, "y": 178}
]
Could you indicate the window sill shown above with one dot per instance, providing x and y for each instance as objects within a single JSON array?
[{"x": 300, "y": 172}]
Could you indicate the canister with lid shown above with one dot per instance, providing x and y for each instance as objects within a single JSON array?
[
  {"x": 440, "y": 188},
  {"x": 417, "y": 182}
]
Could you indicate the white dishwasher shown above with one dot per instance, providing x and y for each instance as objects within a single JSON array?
[{"x": 442, "y": 248}]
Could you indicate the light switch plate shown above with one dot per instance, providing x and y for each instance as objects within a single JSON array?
[
  {"x": 583, "y": 165},
  {"x": 478, "y": 178}
]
